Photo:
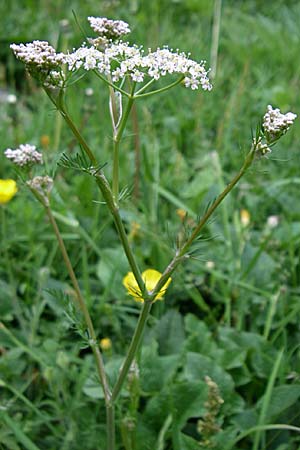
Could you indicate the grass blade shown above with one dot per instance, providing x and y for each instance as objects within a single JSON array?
[{"x": 20, "y": 435}]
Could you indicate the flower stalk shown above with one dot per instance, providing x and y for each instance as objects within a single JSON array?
[{"x": 93, "y": 338}]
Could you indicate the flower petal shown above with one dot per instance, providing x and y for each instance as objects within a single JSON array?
[
  {"x": 8, "y": 188},
  {"x": 132, "y": 287}
]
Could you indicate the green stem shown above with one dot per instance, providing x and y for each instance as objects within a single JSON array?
[
  {"x": 276, "y": 426},
  {"x": 266, "y": 399},
  {"x": 110, "y": 427},
  {"x": 108, "y": 197},
  {"x": 115, "y": 180},
  {"x": 117, "y": 138},
  {"x": 182, "y": 253},
  {"x": 133, "y": 348},
  {"x": 60, "y": 104},
  {"x": 114, "y": 86},
  {"x": 219, "y": 199},
  {"x": 145, "y": 87},
  {"x": 215, "y": 38},
  {"x": 83, "y": 307},
  {"x": 157, "y": 91},
  {"x": 105, "y": 190}
]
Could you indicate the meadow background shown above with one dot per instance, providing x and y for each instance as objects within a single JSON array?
[{"x": 231, "y": 313}]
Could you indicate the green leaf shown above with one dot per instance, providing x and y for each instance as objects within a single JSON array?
[
  {"x": 188, "y": 400},
  {"x": 185, "y": 442},
  {"x": 262, "y": 360},
  {"x": 257, "y": 265},
  {"x": 246, "y": 419},
  {"x": 199, "y": 337},
  {"x": 282, "y": 398},
  {"x": 92, "y": 387},
  {"x": 156, "y": 371},
  {"x": 111, "y": 270},
  {"x": 198, "y": 366},
  {"x": 169, "y": 332},
  {"x": 18, "y": 432}
]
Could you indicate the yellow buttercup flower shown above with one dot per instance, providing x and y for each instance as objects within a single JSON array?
[
  {"x": 245, "y": 217},
  {"x": 150, "y": 278},
  {"x": 105, "y": 344},
  {"x": 8, "y": 189}
]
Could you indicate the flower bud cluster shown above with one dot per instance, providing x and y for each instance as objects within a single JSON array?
[
  {"x": 275, "y": 124},
  {"x": 41, "y": 184},
  {"x": 208, "y": 427},
  {"x": 262, "y": 148},
  {"x": 54, "y": 79},
  {"x": 107, "y": 28},
  {"x": 41, "y": 187},
  {"x": 25, "y": 155},
  {"x": 38, "y": 54}
]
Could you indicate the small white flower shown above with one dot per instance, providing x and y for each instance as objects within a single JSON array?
[
  {"x": 120, "y": 59},
  {"x": 38, "y": 54},
  {"x": 25, "y": 155},
  {"x": 109, "y": 28},
  {"x": 210, "y": 265},
  {"x": 275, "y": 124},
  {"x": 273, "y": 221},
  {"x": 137, "y": 76},
  {"x": 261, "y": 147},
  {"x": 90, "y": 63},
  {"x": 11, "y": 99},
  {"x": 89, "y": 92}
]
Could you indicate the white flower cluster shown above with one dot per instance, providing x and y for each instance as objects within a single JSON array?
[
  {"x": 25, "y": 155},
  {"x": 276, "y": 124},
  {"x": 120, "y": 59},
  {"x": 108, "y": 28},
  {"x": 38, "y": 54},
  {"x": 116, "y": 59}
]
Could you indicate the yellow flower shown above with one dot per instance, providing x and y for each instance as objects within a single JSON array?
[
  {"x": 8, "y": 189},
  {"x": 245, "y": 217},
  {"x": 150, "y": 278},
  {"x": 181, "y": 213},
  {"x": 45, "y": 141},
  {"x": 105, "y": 344},
  {"x": 134, "y": 231}
]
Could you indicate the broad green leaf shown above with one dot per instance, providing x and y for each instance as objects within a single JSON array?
[
  {"x": 184, "y": 442},
  {"x": 198, "y": 366},
  {"x": 282, "y": 398},
  {"x": 111, "y": 270},
  {"x": 199, "y": 337},
  {"x": 155, "y": 370},
  {"x": 188, "y": 400},
  {"x": 169, "y": 332},
  {"x": 92, "y": 386}
]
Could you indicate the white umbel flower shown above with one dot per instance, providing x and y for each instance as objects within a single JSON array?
[
  {"x": 108, "y": 28},
  {"x": 25, "y": 155},
  {"x": 275, "y": 124},
  {"x": 120, "y": 60},
  {"x": 39, "y": 54}
]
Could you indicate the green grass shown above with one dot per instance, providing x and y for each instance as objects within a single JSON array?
[{"x": 229, "y": 321}]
